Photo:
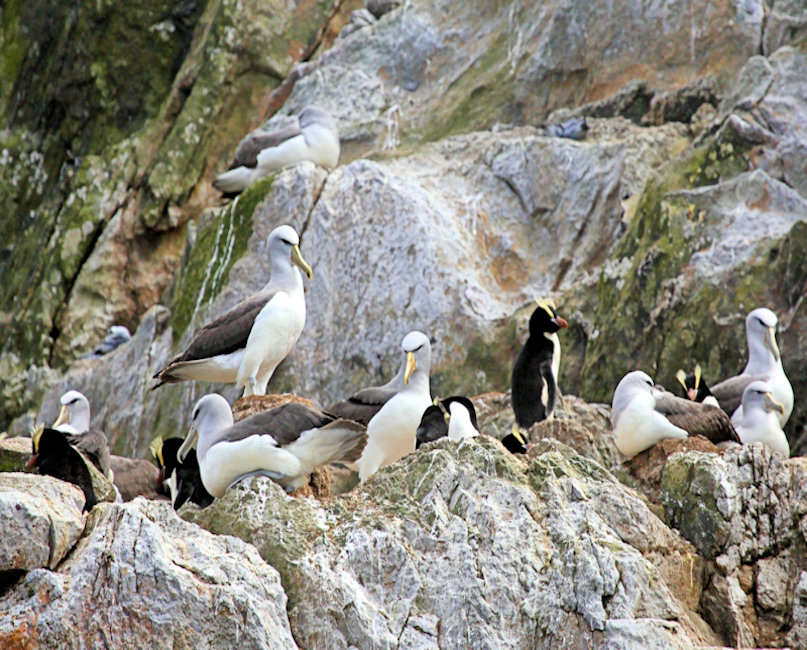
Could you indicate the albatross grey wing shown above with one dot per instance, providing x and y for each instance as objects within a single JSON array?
[
  {"x": 729, "y": 392},
  {"x": 94, "y": 445},
  {"x": 284, "y": 423},
  {"x": 362, "y": 406},
  {"x": 696, "y": 418},
  {"x": 246, "y": 154},
  {"x": 226, "y": 334}
]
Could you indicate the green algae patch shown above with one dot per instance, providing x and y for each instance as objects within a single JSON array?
[{"x": 220, "y": 244}]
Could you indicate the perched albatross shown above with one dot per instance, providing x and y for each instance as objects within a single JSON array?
[
  {"x": 454, "y": 417},
  {"x": 535, "y": 374},
  {"x": 183, "y": 480},
  {"x": 695, "y": 387},
  {"x": 313, "y": 136},
  {"x": 391, "y": 432},
  {"x": 285, "y": 444},
  {"x": 246, "y": 344},
  {"x": 760, "y": 418},
  {"x": 764, "y": 364},
  {"x": 118, "y": 335},
  {"x": 643, "y": 414}
]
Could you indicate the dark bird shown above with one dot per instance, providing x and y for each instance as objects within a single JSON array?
[
  {"x": 53, "y": 455},
  {"x": 515, "y": 443},
  {"x": 118, "y": 335},
  {"x": 695, "y": 387},
  {"x": 535, "y": 373},
  {"x": 454, "y": 417},
  {"x": 183, "y": 479}
]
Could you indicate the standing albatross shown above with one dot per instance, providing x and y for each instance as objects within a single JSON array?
[
  {"x": 246, "y": 344},
  {"x": 764, "y": 364},
  {"x": 285, "y": 444},
  {"x": 391, "y": 432},
  {"x": 643, "y": 414},
  {"x": 313, "y": 136}
]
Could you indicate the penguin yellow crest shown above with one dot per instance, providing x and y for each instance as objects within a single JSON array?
[
  {"x": 547, "y": 305},
  {"x": 36, "y": 436},
  {"x": 156, "y": 449}
]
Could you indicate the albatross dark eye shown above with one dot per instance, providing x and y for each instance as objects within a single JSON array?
[{"x": 287, "y": 242}]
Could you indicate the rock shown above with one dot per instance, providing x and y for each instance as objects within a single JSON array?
[
  {"x": 14, "y": 453},
  {"x": 461, "y": 542},
  {"x": 42, "y": 520},
  {"x": 157, "y": 580}
]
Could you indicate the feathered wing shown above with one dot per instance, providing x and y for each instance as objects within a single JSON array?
[
  {"x": 246, "y": 154},
  {"x": 729, "y": 393},
  {"x": 284, "y": 423},
  {"x": 94, "y": 445},
  {"x": 227, "y": 333},
  {"x": 696, "y": 418},
  {"x": 432, "y": 426},
  {"x": 362, "y": 406}
]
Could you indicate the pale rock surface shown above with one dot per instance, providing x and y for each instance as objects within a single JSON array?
[
  {"x": 141, "y": 576},
  {"x": 41, "y": 520}
]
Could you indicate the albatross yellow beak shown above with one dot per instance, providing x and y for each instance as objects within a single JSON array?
[
  {"x": 64, "y": 417},
  {"x": 410, "y": 367},
  {"x": 299, "y": 262},
  {"x": 770, "y": 342},
  {"x": 190, "y": 441},
  {"x": 772, "y": 405}
]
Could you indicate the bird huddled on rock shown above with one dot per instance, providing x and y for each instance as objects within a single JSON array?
[
  {"x": 285, "y": 444},
  {"x": 245, "y": 345},
  {"x": 643, "y": 414},
  {"x": 313, "y": 136},
  {"x": 764, "y": 364},
  {"x": 759, "y": 421},
  {"x": 118, "y": 335},
  {"x": 453, "y": 417},
  {"x": 184, "y": 481}
]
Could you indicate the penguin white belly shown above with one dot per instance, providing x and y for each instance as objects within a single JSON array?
[
  {"x": 640, "y": 427},
  {"x": 225, "y": 462},
  {"x": 460, "y": 425},
  {"x": 274, "y": 333},
  {"x": 391, "y": 432}
]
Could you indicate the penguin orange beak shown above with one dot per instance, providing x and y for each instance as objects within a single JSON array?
[
  {"x": 560, "y": 322},
  {"x": 692, "y": 394},
  {"x": 31, "y": 461}
]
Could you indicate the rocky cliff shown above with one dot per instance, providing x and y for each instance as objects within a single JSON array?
[{"x": 684, "y": 207}]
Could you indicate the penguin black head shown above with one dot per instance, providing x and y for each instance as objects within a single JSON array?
[
  {"x": 185, "y": 478},
  {"x": 695, "y": 388},
  {"x": 545, "y": 319}
]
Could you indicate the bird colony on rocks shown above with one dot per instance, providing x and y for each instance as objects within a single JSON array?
[{"x": 240, "y": 434}]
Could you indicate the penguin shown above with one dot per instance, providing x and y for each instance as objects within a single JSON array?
[
  {"x": 454, "y": 417},
  {"x": 695, "y": 387}
]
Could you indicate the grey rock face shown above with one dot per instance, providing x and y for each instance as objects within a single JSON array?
[
  {"x": 142, "y": 576},
  {"x": 464, "y": 545},
  {"x": 41, "y": 520}
]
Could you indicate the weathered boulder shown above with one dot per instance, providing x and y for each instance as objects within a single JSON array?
[
  {"x": 745, "y": 511},
  {"x": 42, "y": 520},
  {"x": 142, "y": 576},
  {"x": 463, "y": 544},
  {"x": 14, "y": 453}
]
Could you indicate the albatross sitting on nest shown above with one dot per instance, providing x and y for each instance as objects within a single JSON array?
[
  {"x": 391, "y": 432},
  {"x": 247, "y": 343},
  {"x": 313, "y": 136},
  {"x": 644, "y": 414},
  {"x": 285, "y": 444},
  {"x": 760, "y": 418},
  {"x": 764, "y": 364}
]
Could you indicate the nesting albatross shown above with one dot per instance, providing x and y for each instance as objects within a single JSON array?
[
  {"x": 764, "y": 364},
  {"x": 246, "y": 344},
  {"x": 643, "y": 414},
  {"x": 760, "y": 421},
  {"x": 313, "y": 136},
  {"x": 391, "y": 432},
  {"x": 285, "y": 444}
]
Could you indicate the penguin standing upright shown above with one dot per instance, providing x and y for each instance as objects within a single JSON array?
[{"x": 535, "y": 373}]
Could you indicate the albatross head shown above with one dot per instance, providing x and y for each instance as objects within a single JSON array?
[
  {"x": 74, "y": 416},
  {"x": 315, "y": 115},
  {"x": 418, "y": 352},
  {"x": 757, "y": 395},
  {"x": 284, "y": 244},
  {"x": 211, "y": 414},
  {"x": 760, "y": 328}
]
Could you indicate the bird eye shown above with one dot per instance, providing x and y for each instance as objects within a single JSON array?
[
  {"x": 195, "y": 413},
  {"x": 287, "y": 242}
]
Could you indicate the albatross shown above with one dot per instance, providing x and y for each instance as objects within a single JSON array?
[
  {"x": 391, "y": 432},
  {"x": 760, "y": 418},
  {"x": 313, "y": 136},
  {"x": 643, "y": 414},
  {"x": 246, "y": 344},
  {"x": 285, "y": 444},
  {"x": 764, "y": 364}
]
